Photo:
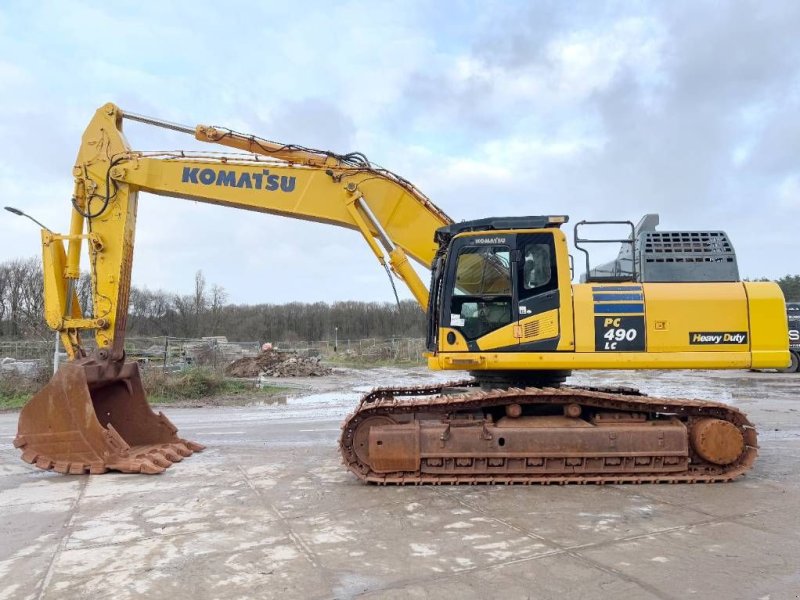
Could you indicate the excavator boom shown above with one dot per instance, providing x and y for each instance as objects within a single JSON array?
[
  {"x": 395, "y": 218},
  {"x": 93, "y": 415}
]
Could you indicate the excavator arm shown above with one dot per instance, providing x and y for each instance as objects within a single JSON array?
[
  {"x": 93, "y": 415},
  {"x": 396, "y": 220}
]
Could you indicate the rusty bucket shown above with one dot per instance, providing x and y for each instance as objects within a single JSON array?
[{"x": 91, "y": 417}]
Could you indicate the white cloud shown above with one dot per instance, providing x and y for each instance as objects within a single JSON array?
[
  {"x": 509, "y": 109},
  {"x": 12, "y": 75},
  {"x": 588, "y": 61},
  {"x": 789, "y": 192}
]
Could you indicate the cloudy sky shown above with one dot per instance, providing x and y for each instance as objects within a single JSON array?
[{"x": 597, "y": 110}]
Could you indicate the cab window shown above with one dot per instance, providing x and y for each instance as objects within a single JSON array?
[
  {"x": 537, "y": 269},
  {"x": 483, "y": 270},
  {"x": 481, "y": 300}
]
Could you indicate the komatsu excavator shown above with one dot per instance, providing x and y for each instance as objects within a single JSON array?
[{"x": 501, "y": 305}]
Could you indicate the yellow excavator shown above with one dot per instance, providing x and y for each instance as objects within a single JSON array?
[{"x": 501, "y": 305}]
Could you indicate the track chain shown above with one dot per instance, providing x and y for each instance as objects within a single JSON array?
[{"x": 433, "y": 399}]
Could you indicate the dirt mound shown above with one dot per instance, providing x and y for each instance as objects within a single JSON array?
[{"x": 277, "y": 364}]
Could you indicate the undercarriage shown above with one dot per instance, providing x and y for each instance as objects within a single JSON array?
[{"x": 458, "y": 434}]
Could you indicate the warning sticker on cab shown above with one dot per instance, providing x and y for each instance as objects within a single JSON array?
[
  {"x": 717, "y": 337},
  {"x": 457, "y": 320}
]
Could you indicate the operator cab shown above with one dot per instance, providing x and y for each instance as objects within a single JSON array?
[{"x": 492, "y": 277}]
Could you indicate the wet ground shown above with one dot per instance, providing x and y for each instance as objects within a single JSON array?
[{"x": 268, "y": 511}]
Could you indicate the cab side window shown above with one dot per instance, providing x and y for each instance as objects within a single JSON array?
[{"x": 538, "y": 268}]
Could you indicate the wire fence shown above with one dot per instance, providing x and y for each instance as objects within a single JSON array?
[
  {"x": 390, "y": 349},
  {"x": 172, "y": 353}
]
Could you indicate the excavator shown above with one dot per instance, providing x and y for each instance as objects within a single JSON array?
[{"x": 501, "y": 305}]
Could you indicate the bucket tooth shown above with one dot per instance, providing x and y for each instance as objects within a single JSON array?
[
  {"x": 92, "y": 417},
  {"x": 159, "y": 459},
  {"x": 149, "y": 467},
  {"x": 182, "y": 449},
  {"x": 171, "y": 454},
  {"x": 30, "y": 457},
  {"x": 193, "y": 446},
  {"x": 44, "y": 463},
  {"x": 137, "y": 465}
]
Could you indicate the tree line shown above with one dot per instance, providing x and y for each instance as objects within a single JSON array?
[{"x": 206, "y": 311}]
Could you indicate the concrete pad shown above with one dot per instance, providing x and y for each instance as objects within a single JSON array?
[
  {"x": 717, "y": 560},
  {"x": 562, "y": 576},
  {"x": 268, "y": 511},
  {"x": 743, "y": 496},
  {"x": 32, "y": 530},
  {"x": 778, "y": 463},
  {"x": 225, "y": 564},
  {"x": 32, "y": 488},
  {"x": 568, "y": 516},
  {"x": 780, "y": 522},
  {"x": 147, "y": 516},
  {"x": 167, "y": 550},
  {"x": 24, "y": 576},
  {"x": 433, "y": 535}
]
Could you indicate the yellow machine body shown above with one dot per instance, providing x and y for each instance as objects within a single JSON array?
[
  {"x": 698, "y": 325},
  {"x": 627, "y": 325}
]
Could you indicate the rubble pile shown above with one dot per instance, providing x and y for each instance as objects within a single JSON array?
[{"x": 272, "y": 363}]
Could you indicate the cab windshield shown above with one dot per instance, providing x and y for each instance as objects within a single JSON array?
[
  {"x": 483, "y": 271},
  {"x": 481, "y": 301}
]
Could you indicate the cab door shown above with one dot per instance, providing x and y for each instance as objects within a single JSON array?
[{"x": 538, "y": 295}]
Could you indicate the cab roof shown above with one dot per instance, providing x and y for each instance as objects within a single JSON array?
[{"x": 445, "y": 234}]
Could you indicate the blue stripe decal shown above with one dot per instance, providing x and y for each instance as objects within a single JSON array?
[
  {"x": 617, "y": 288},
  {"x": 617, "y": 297},
  {"x": 615, "y": 309}
]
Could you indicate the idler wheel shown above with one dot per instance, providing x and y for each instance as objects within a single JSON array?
[
  {"x": 361, "y": 435},
  {"x": 717, "y": 441}
]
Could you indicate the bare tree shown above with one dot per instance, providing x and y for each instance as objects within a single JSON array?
[
  {"x": 83, "y": 290},
  {"x": 32, "y": 301},
  {"x": 199, "y": 302},
  {"x": 206, "y": 312},
  {"x": 218, "y": 298}
]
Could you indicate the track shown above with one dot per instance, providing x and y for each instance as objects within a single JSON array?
[{"x": 435, "y": 410}]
